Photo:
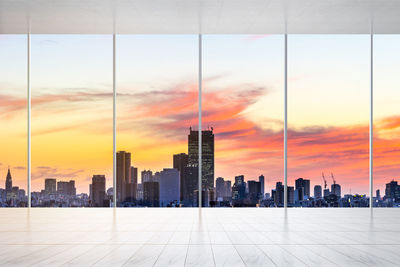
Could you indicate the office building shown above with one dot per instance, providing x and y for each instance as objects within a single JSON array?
[
  {"x": 261, "y": 179},
  {"x": 317, "y": 192},
  {"x": 207, "y": 138},
  {"x": 180, "y": 161},
  {"x": 169, "y": 187},
  {"x": 98, "y": 194},
  {"x": 66, "y": 188},
  {"x": 151, "y": 194},
  {"x": 123, "y": 174}
]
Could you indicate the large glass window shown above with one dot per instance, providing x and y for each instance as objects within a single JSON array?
[
  {"x": 243, "y": 78},
  {"x": 157, "y": 109},
  {"x": 386, "y": 120},
  {"x": 71, "y": 120},
  {"x": 328, "y": 117},
  {"x": 13, "y": 121}
]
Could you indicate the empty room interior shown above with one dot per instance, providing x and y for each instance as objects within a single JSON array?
[{"x": 199, "y": 133}]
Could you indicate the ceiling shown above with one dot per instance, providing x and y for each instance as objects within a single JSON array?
[{"x": 199, "y": 16}]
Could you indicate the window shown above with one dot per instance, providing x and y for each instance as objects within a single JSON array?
[
  {"x": 71, "y": 120},
  {"x": 386, "y": 121},
  {"x": 13, "y": 120},
  {"x": 328, "y": 116},
  {"x": 243, "y": 120},
  {"x": 157, "y": 105}
]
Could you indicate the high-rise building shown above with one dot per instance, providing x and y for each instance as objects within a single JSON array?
[
  {"x": 261, "y": 179},
  {"x": 8, "y": 182},
  {"x": 290, "y": 195},
  {"x": 228, "y": 190},
  {"x": 299, "y": 194},
  {"x": 134, "y": 175},
  {"x": 151, "y": 194},
  {"x": 392, "y": 191},
  {"x": 147, "y": 176},
  {"x": 123, "y": 174},
  {"x": 220, "y": 188},
  {"x": 180, "y": 161},
  {"x": 190, "y": 186},
  {"x": 279, "y": 194},
  {"x": 207, "y": 154},
  {"x": 66, "y": 188},
  {"x": 326, "y": 192},
  {"x": 169, "y": 187},
  {"x": 378, "y": 194},
  {"x": 239, "y": 179},
  {"x": 336, "y": 190},
  {"x": 98, "y": 194},
  {"x": 254, "y": 191},
  {"x": 305, "y": 184},
  {"x": 317, "y": 192},
  {"x": 50, "y": 186},
  {"x": 238, "y": 191}
]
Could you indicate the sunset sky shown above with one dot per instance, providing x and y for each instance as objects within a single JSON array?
[{"x": 328, "y": 106}]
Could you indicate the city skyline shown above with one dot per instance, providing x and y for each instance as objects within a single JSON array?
[{"x": 72, "y": 113}]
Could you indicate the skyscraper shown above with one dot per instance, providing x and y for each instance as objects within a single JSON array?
[
  {"x": 238, "y": 191},
  {"x": 123, "y": 174},
  {"x": 134, "y": 175},
  {"x": 169, "y": 187},
  {"x": 190, "y": 182},
  {"x": 279, "y": 194},
  {"x": 8, "y": 182},
  {"x": 254, "y": 191},
  {"x": 50, "y": 185},
  {"x": 180, "y": 161},
  {"x": 261, "y": 179},
  {"x": 151, "y": 194},
  {"x": 66, "y": 188},
  {"x": 220, "y": 188},
  {"x": 305, "y": 184},
  {"x": 392, "y": 192},
  {"x": 207, "y": 151},
  {"x": 147, "y": 176},
  {"x": 317, "y": 192},
  {"x": 98, "y": 194},
  {"x": 336, "y": 190},
  {"x": 131, "y": 187}
]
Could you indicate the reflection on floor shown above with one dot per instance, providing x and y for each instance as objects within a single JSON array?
[{"x": 189, "y": 237}]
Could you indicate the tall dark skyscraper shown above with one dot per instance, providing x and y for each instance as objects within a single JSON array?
[
  {"x": 98, "y": 192},
  {"x": 392, "y": 191},
  {"x": 151, "y": 194},
  {"x": 123, "y": 174},
  {"x": 336, "y": 189},
  {"x": 261, "y": 179},
  {"x": 305, "y": 184},
  {"x": 279, "y": 194},
  {"x": 254, "y": 191},
  {"x": 317, "y": 192},
  {"x": 8, "y": 182},
  {"x": 207, "y": 138},
  {"x": 50, "y": 186},
  {"x": 180, "y": 161},
  {"x": 238, "y": 191},
  {"x": 190, "y": 185},
  {"x": 134, "y": 175}
]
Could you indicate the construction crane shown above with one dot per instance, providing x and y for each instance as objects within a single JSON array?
[
  {"x": 323, "y": 177},
  {"x": 333, "y": 178}
]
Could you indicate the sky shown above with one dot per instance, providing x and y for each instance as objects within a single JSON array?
[{"x": 157, "y": 102}]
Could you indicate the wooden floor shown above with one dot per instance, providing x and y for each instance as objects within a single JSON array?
[{"x": 190, "y": 237}]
